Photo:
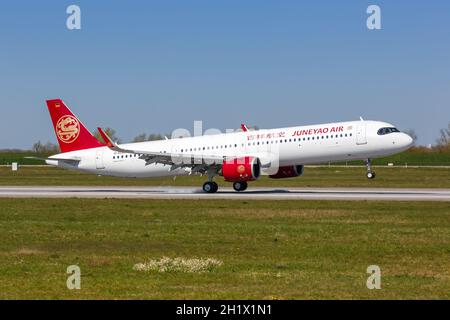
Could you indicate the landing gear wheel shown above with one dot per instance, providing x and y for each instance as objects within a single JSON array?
[
  {"x": 240, "y": 186},
  {"x": 370, "y": 174},
  {"x": 210, "y": 187}
]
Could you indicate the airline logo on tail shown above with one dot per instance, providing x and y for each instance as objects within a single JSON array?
[
  {"x": 68, "y": 129},
  {"x": 71, "y": 133}
]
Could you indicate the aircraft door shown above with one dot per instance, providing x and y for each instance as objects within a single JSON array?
[
  {"x": 99, "y": 160},
  {"x": 361, "y": 134}
]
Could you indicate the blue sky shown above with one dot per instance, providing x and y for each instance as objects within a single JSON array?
[{"x": 154, "y": 66}]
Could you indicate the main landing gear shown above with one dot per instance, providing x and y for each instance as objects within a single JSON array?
[
  {"x": 370, "y": 174},
  {"x": 210, "y": 187},
  {"x": 240, "y": 186}
]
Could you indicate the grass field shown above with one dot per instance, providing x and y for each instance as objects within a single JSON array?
[
  {"x": 313, "y": 177},
  {"x": 269, "y": 250},
  {"x": 417, "y": 157},
  {"x": 6, "y": 158}
]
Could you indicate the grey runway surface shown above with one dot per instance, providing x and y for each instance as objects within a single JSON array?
[{"x": 228, "y": 193}]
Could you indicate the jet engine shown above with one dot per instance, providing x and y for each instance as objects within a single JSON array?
[
  {"x": 241, "y": 169},
  {"x": 288, "y": 172}
]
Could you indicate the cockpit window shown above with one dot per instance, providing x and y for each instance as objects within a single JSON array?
[{"x": 384, "y": 131}]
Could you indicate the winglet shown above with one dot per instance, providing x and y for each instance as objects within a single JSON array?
[
  {"x": 106, "y": 138},
  {"x": 244, "y": 127}
]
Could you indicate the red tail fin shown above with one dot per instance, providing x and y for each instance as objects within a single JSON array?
[{"x": 71, "y": 133}]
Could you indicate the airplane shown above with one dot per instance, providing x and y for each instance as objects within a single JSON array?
[{"x": 238, "y": 157}]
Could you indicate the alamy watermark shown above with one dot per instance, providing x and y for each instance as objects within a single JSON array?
[
  {"x": 73, "y": 21},
  {"x": 264, "y": 144},
  {"x": 374, "y": 20},
  {"x": 374, "y": 280},
  {"x": 74, "y": 280}
]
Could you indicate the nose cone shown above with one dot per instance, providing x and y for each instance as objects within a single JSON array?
[{"x": 406, "y": 141}]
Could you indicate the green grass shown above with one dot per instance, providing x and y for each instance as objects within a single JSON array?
[
  {"x": 313, "y": 177},
  {"x": 6, "y": 158},
  {"x": 416, "y": 157},
  {"x": 270, "y": 250}
]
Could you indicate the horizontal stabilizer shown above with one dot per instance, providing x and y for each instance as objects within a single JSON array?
[{"x": 68, "y": 160}]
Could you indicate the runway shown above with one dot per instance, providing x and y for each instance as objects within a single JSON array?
[{"x": 228, "y": 193}]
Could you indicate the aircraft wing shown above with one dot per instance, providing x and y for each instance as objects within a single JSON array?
[{"x": 199, "y": 164}]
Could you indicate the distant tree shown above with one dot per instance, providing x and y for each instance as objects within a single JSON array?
[
  {"x": 151, "y": 137},
  {"x": 110, "y": 132},
  {"x": 37, "y": 147},
  {"x": 444, "y": 139},
  {"x": 49, "y": 147},
  {"x": 140, "y": 138},
  {"x": 155, "y": 137},
  {"x": 412, "y": 134}
]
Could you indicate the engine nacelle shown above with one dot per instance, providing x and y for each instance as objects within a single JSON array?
[
  {"x": 241, "y": 169},
  {"x": 288, "y": 172}
]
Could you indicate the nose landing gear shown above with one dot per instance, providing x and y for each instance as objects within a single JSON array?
[{"x": 370, "y": 174}]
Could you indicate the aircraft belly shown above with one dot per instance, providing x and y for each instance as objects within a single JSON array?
[{"x": 140, "y": 170}]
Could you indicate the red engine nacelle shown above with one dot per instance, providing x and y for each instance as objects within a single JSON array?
[
  {"x": 241, "y": 169},
  {"x": 288, "y": 172}
]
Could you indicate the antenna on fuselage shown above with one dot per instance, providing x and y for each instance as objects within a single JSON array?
[{"x": 361, "y": 118}]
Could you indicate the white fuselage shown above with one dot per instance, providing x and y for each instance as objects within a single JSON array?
[{"x": 353, "y": 140}]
